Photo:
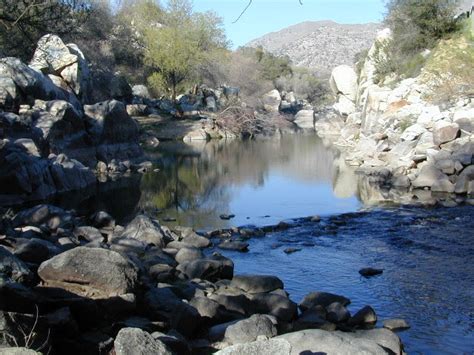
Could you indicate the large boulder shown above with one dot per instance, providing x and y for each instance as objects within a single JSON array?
[
  {"x": 343, "y": 81},
  {"x": 134, "y": 341},
  {"x": 444, "y": 131},
  {"x": 322, "y": 299},
  {"x": 32, "y": 84},
  {"x": 146, "y": 230},
  {"x": 211, "y": 269},
  {"x": 91, "y": 272},
  {"x": 271, "y": 101},
  {"x": 333, "y": 343},
  {"x": 257, "y": 283},
  {"x": 428, "y": 176},
  {"x": 9, "y": 99},
  {"x": 13, "y": 268},
  {"x": 248, "y": 330},
  {"x": 304, "y": 119},
  {"x": 260, "y": 347}
]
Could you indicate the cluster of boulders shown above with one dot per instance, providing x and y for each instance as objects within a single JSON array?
[
  {"x": 50, "y": 141},
  {"x": 410, "y": 146},
  {"x": 88, "y": 285}
]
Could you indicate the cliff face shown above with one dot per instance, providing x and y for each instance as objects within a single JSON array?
[{"x": 319, "y": 45}]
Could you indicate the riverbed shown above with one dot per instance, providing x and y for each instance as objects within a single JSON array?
[{"x": 427, "y": 253}]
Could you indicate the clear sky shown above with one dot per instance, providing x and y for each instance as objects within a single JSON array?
[{"x": 266, "y": 16}]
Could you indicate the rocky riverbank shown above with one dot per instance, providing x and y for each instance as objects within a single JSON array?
[
  {"x": 84, "y": 284},
  {"x": 395, "y": 135}
]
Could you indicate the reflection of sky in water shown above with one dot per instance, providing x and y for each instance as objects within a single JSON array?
[{"x": 283, "y": 197}]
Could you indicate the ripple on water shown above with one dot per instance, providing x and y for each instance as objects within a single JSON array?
[{"x": 428, "y": 261}]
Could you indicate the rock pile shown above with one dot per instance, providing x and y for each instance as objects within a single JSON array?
[
  {"x": 88, "y": 285},
  {"x": 410, "y": 148}
]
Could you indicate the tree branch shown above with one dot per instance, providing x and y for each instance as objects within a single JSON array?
[{"x": 248, "y": 5}]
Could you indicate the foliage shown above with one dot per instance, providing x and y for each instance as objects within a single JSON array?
[
  {"x": 416, "y": 25},
  {"x": 305, "y": 85},
  {"x": 177, "y": 47},
  {"x": 359, "y": 60},
  {"x": 23, "y": 22}
]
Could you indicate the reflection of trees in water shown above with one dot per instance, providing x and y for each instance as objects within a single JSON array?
[{"x": 195, "y": 180}]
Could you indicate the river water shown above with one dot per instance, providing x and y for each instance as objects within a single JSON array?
[{"x": 427, "y": 253}]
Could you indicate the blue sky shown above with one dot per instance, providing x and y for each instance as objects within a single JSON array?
[{"x": 272, "y": 15}]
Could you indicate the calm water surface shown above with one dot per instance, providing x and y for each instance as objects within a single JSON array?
[{"x": 427, "y": 253}]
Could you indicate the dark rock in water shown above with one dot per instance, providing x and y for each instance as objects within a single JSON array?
[
  {"x": 396, "y": 324},
  {"x": 365, "y": 317},
  {"x": 314, "y": 318},
  {"x": 169, "y": 219},
  {"x": 238, "y": 304},
  {"x": 323, "y": 299},
  {"x": 369, "y": 271},
  {"x": 291, "y": 250},
  {"x": 227, "y": 216},
  {"x": 13, "y": 268},
  {"x": 93, "y": 272},
  {"x": 256, "y": 283},
  {"x": 211, "y": 269},
  {"x": 337, "y": 313},
  {"x": 233, "y": 245},
  {"x": 207, "y": 308},
  {"x": 136, "y": 341},
  {"x": 276, "y": 305},
  {"x": 248, "y": 330},
  {"x": 88, "y": 234}
]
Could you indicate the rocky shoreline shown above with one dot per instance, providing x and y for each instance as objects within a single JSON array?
[
  {"x": 408, "y": 148},
  {"x": 84, "y": 284}
]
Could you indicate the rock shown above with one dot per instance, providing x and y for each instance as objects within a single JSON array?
[
  {"x": 396, "y": 324},
  {"x": 146, "y": 230},
  {"x": 464, "y": 179},
  {"x": 197, "y": 135},
  {"x": 369, "y": 271},
  {"x": 91, "y": 272},
  {"x": 119, "y": 88},
  {"x": 188, "y": 254},
  {"x": 331, "y": 343},
  {"x": 314, "y": 318},
  {"x": 344, "y": 106},
  {"x": 88, "y": 234},
  {"x": 18, "y": 351},
  {"x": 291, "y": 250},
  {"x": 208, "y": 269},
  {"x": 134, "y": 341},
  {"x": 412, "y": 132},
  {"x": 208, "y": 308},
  {"x": 226, "y": 217},
  {"x": 13, "y": 268},
  {"x": 52, "y": 55},
  {"x": 443, "y": 186},
  {"x": 32, "y": 251},
  {"x": 234, "y": 245},
  {"x": 249, "y": 329},
  {"x": 137, "y": 110},
  {"x": 256, "y": 283},
  {"x": 428, "y": 176},
  {"x": 385, "y": 338},
  {"x": 271, "y": 101},
  {"x": 344, "y": 81},
  {"x": 304, "y": 119},
  {"x": 141, "y": 91},
  {"x": 444, "y": 131},
  {"x": 322, "y": 299},
  {"x": 337, "y": 313},
  {"x": 365, "y": 317},
  {"x": 9, "y": 97},
  {"x": 261, "y": 347},
  {"x": 274, "y": 304}
]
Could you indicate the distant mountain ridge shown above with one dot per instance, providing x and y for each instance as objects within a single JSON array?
[{"x": 319, "y": 45}]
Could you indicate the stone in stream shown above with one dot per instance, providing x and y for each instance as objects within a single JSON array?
[
  {"x": 291, "y": 250},
  {"x": 260, "y": 347},
  {"x": 226, "y": 217},
  {"x": 314, "y": 318},
  {"x": 365, "y": 317},
  {"x": 323, "y": 299},
  {"x": 369, "y": 271},
  {"x": 396, "y": 324},
  {"x": 337, "y": 313},
  {"x": 234, "y": 245},
  {"x": 256, "y": 283}
]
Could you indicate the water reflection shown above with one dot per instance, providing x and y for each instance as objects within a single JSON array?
[{"x": 260, "y": 181}]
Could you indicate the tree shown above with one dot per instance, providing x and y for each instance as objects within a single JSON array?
[
  {"x": 178, "y": 45},
  {"x": 23, "y": 22}
]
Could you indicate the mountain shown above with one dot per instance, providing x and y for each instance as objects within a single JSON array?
[{"x": 319, "y": 45}]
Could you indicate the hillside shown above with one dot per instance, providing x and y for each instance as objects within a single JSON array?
[{"x": 320, "y": 45}]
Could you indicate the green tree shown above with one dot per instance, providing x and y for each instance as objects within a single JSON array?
[{"x": 176, "y": 47}]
